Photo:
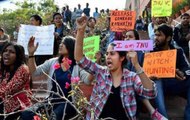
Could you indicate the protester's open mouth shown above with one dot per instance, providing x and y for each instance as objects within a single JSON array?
[
  {"x": 5, "y": 59},
  {"x": 109, "y": 63}
]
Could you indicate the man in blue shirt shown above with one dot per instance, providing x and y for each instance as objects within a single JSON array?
[{"x": 87, "y": 10}]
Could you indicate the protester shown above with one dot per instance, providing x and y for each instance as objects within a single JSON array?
[
  {"x": 73, "y": 18},
  {"x": 60, "y": 75},
  {"x": 86, "y": 10},
  {"x": 96, "y": 14},
  {"x": 61, "y": 30},
  {"x": 182, "y": 33},
  {"x": 3, "y": 38},
  {"x": 113, "y": 79},
  {"x": 156, "y": 21},
  {"x": 139, "y": 23},
  {"x": 15, "y": 81},
  {"x": 79, "y": 11},
  {"x": 68, "y": 15},
  {"x": 133, "y": 35},
  {"x": 151, "y": 26},
  {"x": 36, "y": 20},
  {"x": 180, "y": 85}
]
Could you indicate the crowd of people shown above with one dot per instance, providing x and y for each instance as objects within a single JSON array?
[{"x": 120, "y": 83}]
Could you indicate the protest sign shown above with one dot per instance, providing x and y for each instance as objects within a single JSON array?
[
  {"x": 160, "y": 64},
  {"x": 44, "y": 35},
  {"x": 161, "y": 8},
  {"x": 122, "y": 20},
  {"x": 133, "y": 45},
  {"x": 91, "y": 46}
]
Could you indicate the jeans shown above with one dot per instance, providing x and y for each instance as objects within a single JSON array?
[{"x": 172, "y": 87}]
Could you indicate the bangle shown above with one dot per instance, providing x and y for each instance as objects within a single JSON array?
[
  {"x": 140, "y": 71},
  {"x": 32, "y": 56}
]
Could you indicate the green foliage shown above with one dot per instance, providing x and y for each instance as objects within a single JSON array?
[
  {"x": 10, "y": 19},
  {"x": 179, "y": 7}
]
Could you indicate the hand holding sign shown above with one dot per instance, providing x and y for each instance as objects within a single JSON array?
[
  {"x": 44, "y": 35},
  {"x": 132, "y": 55},
  {"x": 180, "y": 75}
]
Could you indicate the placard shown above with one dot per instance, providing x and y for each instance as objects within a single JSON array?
[
  {"x": 122, "y": 20},
  {"x": 160, "y": 64},
  {"x": 44, "y": 35},
  {"x": 136, "y": 45},
  {"x": 161, "y": 8},
  {"x": 90, "y": 46}
]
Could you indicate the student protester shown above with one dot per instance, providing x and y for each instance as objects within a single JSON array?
[
  {"x": 180, "y": 85},
  {"x": 36, "y": 20},
  {"x": 15, "y": 81},
  {"x": 4, "y": 38},
  {"x": 91, "y": 28},
  {"x": 182, "y": 33},
  {"x": 134, "y": 35},
  {"x": 61, "y": 30},
  {"x": 113, "y": 83},
  {"x": 154, "y": 24},
  {"x": 86, "y": 10},
  {"x": 61, "y": 75},
  {"x": 139, "y": 23}
]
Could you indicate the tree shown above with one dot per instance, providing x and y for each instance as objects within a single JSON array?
[{"x": 10, "y": 19}]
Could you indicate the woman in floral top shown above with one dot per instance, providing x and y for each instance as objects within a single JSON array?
[
  {"x": 15, "y": 80},
  {"x": 114, "y": 92}
]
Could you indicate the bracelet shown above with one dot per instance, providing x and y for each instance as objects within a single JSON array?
[
  {"x": 140, "y": 71},
  {"x": 32, "y": 56}
]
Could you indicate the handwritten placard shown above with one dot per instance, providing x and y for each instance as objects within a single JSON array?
[
  {"x": 90, "y": 46},
  {"x": 133, "y": 45},
  {"x": 122, "y": 20},
  {"x": 160, "y": 64},
  {"x": 44, "y": 35},
  {"x": 161, "y": 8}
]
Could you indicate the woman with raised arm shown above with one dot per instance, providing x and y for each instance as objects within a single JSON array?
[
  {"x": 61, "y": 75},
  {"x": 115, "y": 88}
]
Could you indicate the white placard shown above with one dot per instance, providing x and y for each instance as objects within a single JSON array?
[{"x": 44, "y": 35}]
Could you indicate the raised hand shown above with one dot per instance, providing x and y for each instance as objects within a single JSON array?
[
  {"x": 81, "y": 23},
  {"x": 132, "y": 55},
  {"x": 31, "y": 47}
]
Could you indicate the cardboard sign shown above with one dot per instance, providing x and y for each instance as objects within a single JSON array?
[
  {"x": 133, "y": 45},
  {"x": 122, "y": 20},
  {"x": 44, "y": 35},
  {"x": 90, "y": 46},
  {"x": 160, "y": 64},
  {"x": 161, "y": 8}
]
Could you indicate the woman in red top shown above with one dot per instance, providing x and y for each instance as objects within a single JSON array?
[{"x": 14, "y": 81}]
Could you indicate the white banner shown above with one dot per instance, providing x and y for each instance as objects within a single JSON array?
[{"x": 44, "y": 35}]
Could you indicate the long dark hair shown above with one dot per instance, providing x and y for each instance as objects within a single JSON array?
[
  {"x": 136, "y": 34},
  {"x": 69, "y": 43},
  {"x": 20, "y": 59}
]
